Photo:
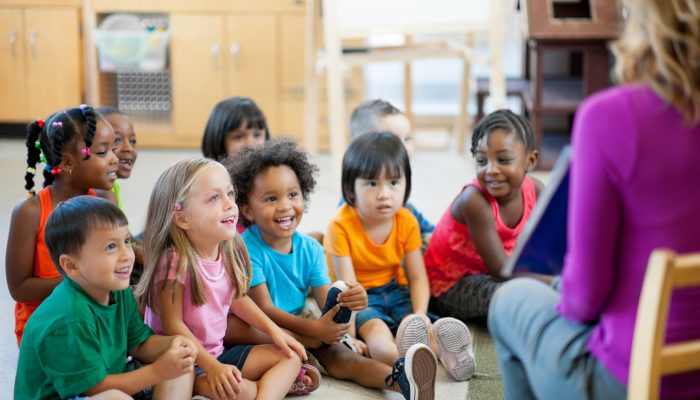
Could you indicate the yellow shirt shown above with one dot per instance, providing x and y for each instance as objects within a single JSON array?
[{"x": 375, "y": 264}]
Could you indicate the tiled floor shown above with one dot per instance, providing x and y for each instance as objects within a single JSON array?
[{"x": 437, "y": 178}]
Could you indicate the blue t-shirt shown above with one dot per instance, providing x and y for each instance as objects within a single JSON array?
[{"x": 288, "y": 276}]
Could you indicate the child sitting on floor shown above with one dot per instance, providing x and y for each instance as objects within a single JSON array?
[
  {"x": 197, "y": 270},
  {"x": 367, "y": 241},
  {"x": 274, "y": 183},
  {"x": 76, "y": 342}
]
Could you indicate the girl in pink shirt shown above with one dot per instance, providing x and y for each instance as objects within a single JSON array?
[
  {"x": 196, "y": 270},
  {"x": 480, "y": 228}
]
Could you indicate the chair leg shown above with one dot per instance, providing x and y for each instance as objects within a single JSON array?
[
  {"x": 310, "y": 133},
  {"x": 336, "y": 94}
]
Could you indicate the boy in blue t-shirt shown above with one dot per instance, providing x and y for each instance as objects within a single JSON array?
[
  {"x": 76, "y": 343},
  {"x": 273, "y": 182}
]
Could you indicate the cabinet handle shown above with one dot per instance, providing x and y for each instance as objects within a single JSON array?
[
  {"x": 214, "y": 50},
  {"x": 13, "y": 40},
  {"x": 32, "y": 43},
  {"x": 235, "y": 49}
]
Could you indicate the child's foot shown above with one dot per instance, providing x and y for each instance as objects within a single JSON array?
[
  {"x": 413, "y": 329},
  {"x": 415, "y": 374},
  {"x": 455, "y": 343},
  {"x": 308, "y": 380}
]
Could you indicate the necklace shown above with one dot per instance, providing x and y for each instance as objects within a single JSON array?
[{"x": 206, "y": 274}]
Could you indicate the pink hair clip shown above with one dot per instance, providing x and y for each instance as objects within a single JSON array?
[
  {"x": 177, "y": 207},
  {"x": 86, "y": 151},
  {"x": 59, "y": 124},
  {"x": 55, "y": 171}
]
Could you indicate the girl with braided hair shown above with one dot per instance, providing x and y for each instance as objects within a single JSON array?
[{"x": 77, "y": 148}]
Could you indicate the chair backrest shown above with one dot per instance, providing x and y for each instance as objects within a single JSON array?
[
  {"x": 651, "y": 357},
  {"x": 363, "y": 18}
]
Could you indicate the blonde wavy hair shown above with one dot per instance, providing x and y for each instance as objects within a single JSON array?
[
  {"x": 163, "y": 238},
  {"x": 661, "y": 47}
]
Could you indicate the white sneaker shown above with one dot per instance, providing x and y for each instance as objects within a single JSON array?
[
  {"x": 455, "y": 343},
  {"x": 413, "y": 329}
]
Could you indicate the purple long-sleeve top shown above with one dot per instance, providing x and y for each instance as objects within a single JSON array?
[{"x": 635, "y": 187}]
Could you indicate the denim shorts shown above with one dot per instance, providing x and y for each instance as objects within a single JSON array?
[
  {"x": 390, "y": 303},
  {"x": 234, "y": 355}
]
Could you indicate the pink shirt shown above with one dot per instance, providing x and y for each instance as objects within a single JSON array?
[
  {"x": 451, "y": 253},
  {"x": 208, "y": 321}
]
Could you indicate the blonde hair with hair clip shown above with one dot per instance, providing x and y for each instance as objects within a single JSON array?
[
  {"x": 163, "y": 238},
  {"x": 661, "y": 47}
]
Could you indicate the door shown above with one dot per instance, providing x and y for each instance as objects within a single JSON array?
[
  {"x": 13, "y": 95},
  {"x": 252, "y": 62},
  {"x": 198, "y": 71},
  {"x": 53, "y": 60}
]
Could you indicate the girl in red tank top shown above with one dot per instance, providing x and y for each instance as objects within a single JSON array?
[
  {"x": 76, "y": 147},
  {"x": 480, "y": 228}
]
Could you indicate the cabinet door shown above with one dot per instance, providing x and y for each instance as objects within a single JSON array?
[
  {"x": 53, "y": 59},
  {"x": 13, "y": 95},
  {"x": 251, "y": 48},
  {"x": 198, "y": 70}
]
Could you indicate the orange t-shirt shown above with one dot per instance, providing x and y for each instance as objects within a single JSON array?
[
  {"x": 374, "y": 264},
  {"x": 43, "y": 265}
]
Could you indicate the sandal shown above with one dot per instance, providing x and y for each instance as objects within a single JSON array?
[{"x": 299, "y": 388}]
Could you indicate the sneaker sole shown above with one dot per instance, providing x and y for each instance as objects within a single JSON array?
[
  {"x": 453, "y": 337},
  {"x": 421, "y": 369},
  {"x": 413, "y": 329},
  {"x": 344, "y": 314}
]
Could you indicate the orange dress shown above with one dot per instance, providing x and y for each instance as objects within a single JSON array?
[{"x": 43, "y": 266}]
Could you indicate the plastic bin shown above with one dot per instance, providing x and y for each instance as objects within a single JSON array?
[{"x": 123, "y": 43}]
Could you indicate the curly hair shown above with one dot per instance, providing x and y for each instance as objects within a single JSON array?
[
  {"x": 251, "y": 161},
  {"x": 661, "y": 47}
]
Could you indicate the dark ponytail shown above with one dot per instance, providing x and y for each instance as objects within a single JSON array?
[{"x": 60, "y": 129}]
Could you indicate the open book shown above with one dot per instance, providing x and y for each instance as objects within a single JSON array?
[{"x": 542, "y": 243}]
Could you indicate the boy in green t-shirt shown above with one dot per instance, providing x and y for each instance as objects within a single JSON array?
[{"x": 75, "y": 345}]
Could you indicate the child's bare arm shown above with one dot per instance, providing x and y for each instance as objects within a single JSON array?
[
  {"x": 323, "y": 329},
  {"x": 418, "y": 278},
  {"x": 174, "y": 360},
  {"x": 472, "y": 209},
  {"x": 156, "y": 345},
  {"x": 19, "y": 258},
  {"x": 342, "y": 265},
  {"x": 246, "y": 309},
  {"x": 170, "y": 300}
]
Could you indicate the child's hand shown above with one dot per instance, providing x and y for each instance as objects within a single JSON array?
[
  {"x": 181, "y": 341},
  {"x": 288, "y": 344},
  {"x": 354, "y": 298},
  {"x": 329, "y": 331},
  {"x": 177, "y": 360},
  {"x": 360, "y": 347},
  {"x": 223, "y": 380}
]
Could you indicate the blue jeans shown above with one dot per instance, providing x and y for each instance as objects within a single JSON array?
[
  {"x": 390, "y": 303},
  {"x": 542, "y": 355}
]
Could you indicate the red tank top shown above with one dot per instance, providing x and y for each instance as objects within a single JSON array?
[
  {"x": 43, "y": 266},
  {"x": 451, "y": 253}
]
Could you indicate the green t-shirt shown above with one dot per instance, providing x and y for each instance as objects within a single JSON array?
[
  {"x": 117, "y": 190},
  {"x": 72, "y": 342}
]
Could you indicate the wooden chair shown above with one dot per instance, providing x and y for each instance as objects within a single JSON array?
[
  {"x": 651, "y": 357},
  {"x": 434, "y": 29}
]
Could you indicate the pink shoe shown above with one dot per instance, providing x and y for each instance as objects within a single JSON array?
[
  {"x": 455, "y": 343},
  {"x": 299, "y": 388}
]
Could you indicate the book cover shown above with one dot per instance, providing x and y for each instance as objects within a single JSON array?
[{"x": 541, "y": 245}]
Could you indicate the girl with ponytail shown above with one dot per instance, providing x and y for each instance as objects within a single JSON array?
[{"x": 74, "y": 151}]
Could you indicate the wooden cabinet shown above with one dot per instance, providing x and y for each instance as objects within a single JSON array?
[
  {"x": 40, "y": 62},
  {"x": 215, "y": 57}
]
